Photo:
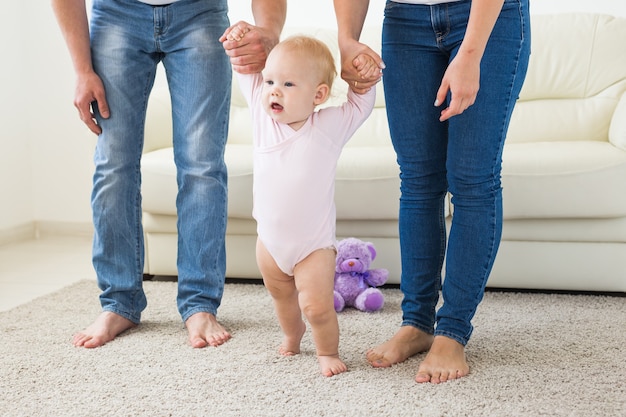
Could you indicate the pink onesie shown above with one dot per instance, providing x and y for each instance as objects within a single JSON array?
[{"x": 294, "y": 173}]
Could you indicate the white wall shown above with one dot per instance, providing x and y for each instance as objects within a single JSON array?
[
  {"x": 15, "y": 160},
  {"x": 62, "y": 146},
  {"x": 46, "y": 152}
]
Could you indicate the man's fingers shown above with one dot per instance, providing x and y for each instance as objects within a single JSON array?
[
  {"x": 103, "y": 106},
  {"x": 87, "y": 117},
  {"x": 90, "y": 122}
]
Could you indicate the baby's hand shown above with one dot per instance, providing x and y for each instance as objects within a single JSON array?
[
  {"x": 367, "y": 71},
  {"x": 247, "y": 46},
  {"x": 366, "y": 67},
  {"x": 235, "y": 33}
]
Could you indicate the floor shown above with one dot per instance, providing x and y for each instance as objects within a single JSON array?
[{"x": 33, "y": 268}]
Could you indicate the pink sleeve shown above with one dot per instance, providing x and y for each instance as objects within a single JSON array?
[
  {"x": 342, "y": 121},
  {"x": 250, "y": 86}
]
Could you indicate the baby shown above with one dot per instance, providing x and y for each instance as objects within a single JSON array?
[{"x": 296, "y": 149}]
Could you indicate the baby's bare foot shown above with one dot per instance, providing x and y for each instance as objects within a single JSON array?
[
  {"x": 104, "y": 329},
  {"x": 445, "y": 361},
  {"x": 331, "y": 365},
  {"x": 291, "y": 343},
  {"x": 408, "y": 341},
  {"x": 204, "y": 330},
  {"x": 287, "y": 348}
]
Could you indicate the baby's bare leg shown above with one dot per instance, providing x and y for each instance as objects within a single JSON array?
[
  {"x": 104, "y": 329},
  {"x": 285, "y": 296},
  {"x": 314, "y": 279}
]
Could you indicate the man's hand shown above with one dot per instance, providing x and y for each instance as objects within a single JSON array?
[
  {"x": 248, "y": 46},
  {"x": 89, "y": 89}
]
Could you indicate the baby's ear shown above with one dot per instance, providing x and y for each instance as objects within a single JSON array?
[{"x": 322, "y": 93}]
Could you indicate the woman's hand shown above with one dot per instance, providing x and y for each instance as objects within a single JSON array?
[
  {"x": 361, "y": 67},
  {"x": 462, "y": 80}
]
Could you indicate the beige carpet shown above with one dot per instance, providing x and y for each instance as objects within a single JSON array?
[{"x": 531, "y": 355}]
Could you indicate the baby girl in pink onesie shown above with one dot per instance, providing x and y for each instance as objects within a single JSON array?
[{"x": 295, "y": 156}]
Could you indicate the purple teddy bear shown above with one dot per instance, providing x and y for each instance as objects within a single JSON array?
[{"x": 354, "y": 281}]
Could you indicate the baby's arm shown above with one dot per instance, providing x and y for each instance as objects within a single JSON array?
[{"x": 367, "y": 69}]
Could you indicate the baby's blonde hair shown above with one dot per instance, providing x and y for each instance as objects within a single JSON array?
[{"x": 314, "y": 51}]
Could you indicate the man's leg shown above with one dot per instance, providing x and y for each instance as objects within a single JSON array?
[
  {"x": 127, "y": 73},
  {"x": 199, "y": 77}
]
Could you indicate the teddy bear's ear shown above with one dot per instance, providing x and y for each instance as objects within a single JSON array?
[{"x": 370, "y": 246}]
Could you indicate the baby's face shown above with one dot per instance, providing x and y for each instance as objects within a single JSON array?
[{"x": 290, "y": 88}]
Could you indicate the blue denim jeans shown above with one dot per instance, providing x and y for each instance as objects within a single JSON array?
[
  {"x": 462, "y": 156},
  {"x": 128, "y": 40}
]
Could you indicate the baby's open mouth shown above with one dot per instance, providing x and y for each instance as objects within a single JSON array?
[{"x": 276, "y": 106}]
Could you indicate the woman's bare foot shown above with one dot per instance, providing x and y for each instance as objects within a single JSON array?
[
  {"x": 291, "y": 343},
  {"x": 407, "y": 341},
  {"x": 445, "y": 361},
  {"x": 104, "y": 329},
  {"x": 204, "y": 330},
  {"x": 331, "y": 365}
]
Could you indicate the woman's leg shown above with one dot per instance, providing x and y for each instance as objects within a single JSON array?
[
  {"x": 474, "y": 166},
  {"x": 476, "y": 140},
  {"x": 415, "y": 67}
]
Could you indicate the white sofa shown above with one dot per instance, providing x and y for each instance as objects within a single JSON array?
[{"x": 564, "y": 169}]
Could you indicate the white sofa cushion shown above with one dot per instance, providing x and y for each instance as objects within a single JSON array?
[
  {"x": 367, "y": 185},
  {"x": 159, "y": 187},
  {"x": 566, "y": 145},
  {"x": 570, "y": 54},
  {"x": 550, "y": 180},
  {"x": 617, "y": 130}
]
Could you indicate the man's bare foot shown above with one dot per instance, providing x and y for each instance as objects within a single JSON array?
[
  {"x": 204, "y": 330},
  {"x": 445, "y": 361},
  {"x": 104, "y": 329},
  {"x": 291, "y": 343},
  {"x": 331, "y": 365},
  {"x": 407, "y": 341}
]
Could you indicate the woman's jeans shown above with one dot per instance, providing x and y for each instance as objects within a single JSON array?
[
  {"x": 128, "y": 40},
  {"x": 462, "y": 156}
]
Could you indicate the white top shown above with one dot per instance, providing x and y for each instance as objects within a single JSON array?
[
  {"x": 158, "y": 2},
  {"x": 427, "y": 2}
]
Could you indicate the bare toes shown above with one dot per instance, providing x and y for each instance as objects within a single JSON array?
[
  {"x": 286, "y": 352},
  {"x": 106, "y": 327},
  {"x": 204, "y": 330},
  {"x": 331, "y": 365},
  {"x": 407, "y": 341},
  {"x": 198, "y": 343}
]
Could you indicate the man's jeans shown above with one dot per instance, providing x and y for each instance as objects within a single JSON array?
[
  {"x": 462, "y": 156},
  {"x": 128, "y": 40}
]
